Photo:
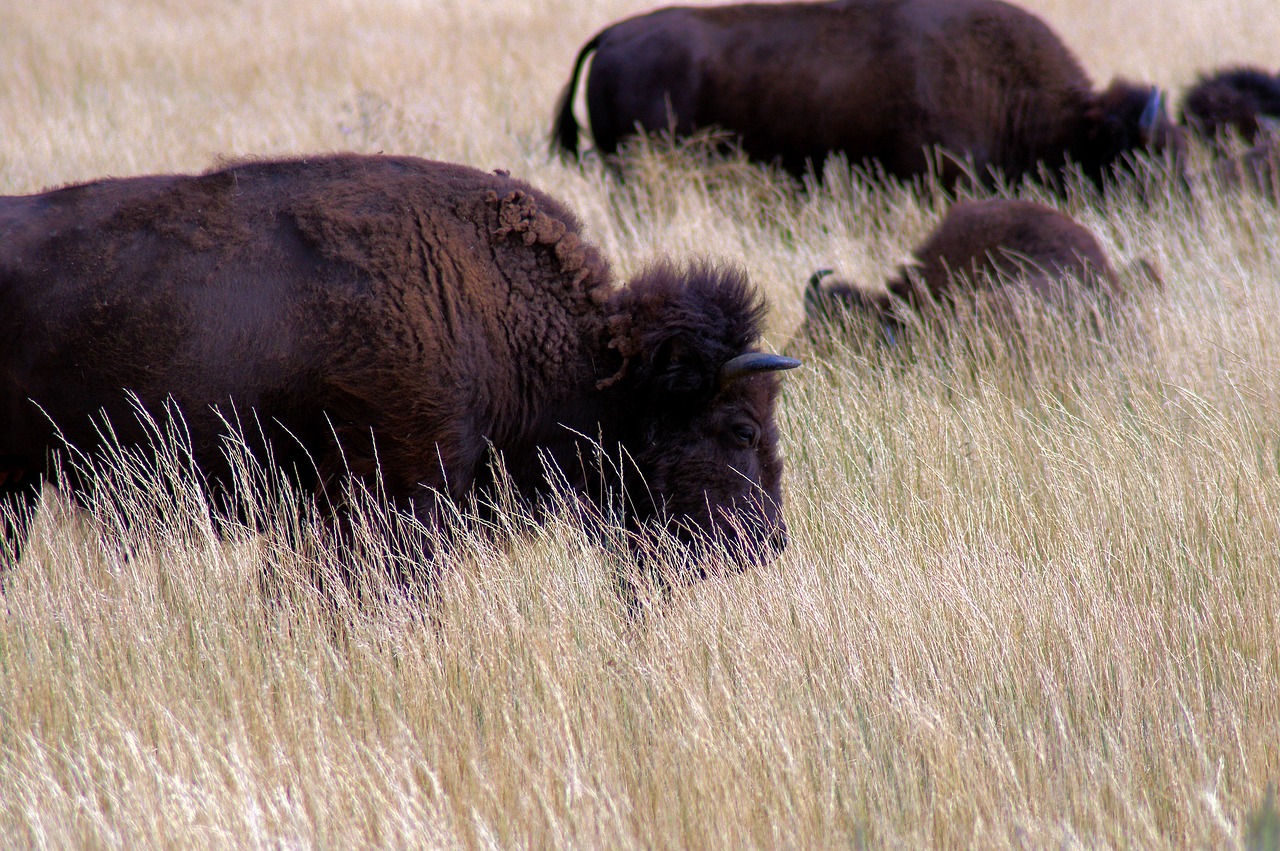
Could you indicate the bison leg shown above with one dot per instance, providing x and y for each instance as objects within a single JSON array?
[
  {"x": 19, "y": 498},
  {"x": 378, "y": 516}
]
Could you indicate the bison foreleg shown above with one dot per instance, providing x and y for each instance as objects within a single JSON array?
[{"x": 19, "y": 498}]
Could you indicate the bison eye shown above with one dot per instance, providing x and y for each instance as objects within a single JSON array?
[{"x": 745, "y": 435}]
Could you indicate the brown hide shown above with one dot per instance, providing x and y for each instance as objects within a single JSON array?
[
  {"x": 380, "y": 314},
  {"x": 983, "y": 240},
  {"x": 882, "y": 80},
  {"x": 1239, "y": 100},
  {"x": 980, "y": 243}
]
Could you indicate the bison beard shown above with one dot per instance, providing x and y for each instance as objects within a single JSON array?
[{"x": 389, "y": 321}]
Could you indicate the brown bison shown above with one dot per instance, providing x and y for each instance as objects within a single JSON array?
[
  {"x": 878, "y": 80},
  {"x": 979, "y": 242},
  {"x": 1241, "y": 100},
  {"x": 391, "y": 319}
]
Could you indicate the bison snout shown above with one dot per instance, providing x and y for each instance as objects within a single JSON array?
[{"x": 756, "y": 540}]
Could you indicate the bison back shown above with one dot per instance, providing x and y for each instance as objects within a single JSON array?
[
  {"x": 1015, "y": 238},
  {"x": 882, "y": 80},
  {"x": 427, "y": 304}
]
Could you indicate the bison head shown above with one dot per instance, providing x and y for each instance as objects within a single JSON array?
[
  {"x": 697, "y": 400},
  {"x": 1123, "y": 119},
  {"x": 828, "y": 306}
]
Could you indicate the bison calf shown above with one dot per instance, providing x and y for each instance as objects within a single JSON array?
[
  {"x": 396, "y": 320},
  {"x": 878, "y": 80},
  {"x": 978, "y": 243}
]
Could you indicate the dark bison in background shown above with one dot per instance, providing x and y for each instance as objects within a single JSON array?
[
  {"x": 977, "y": 245},
  {"x": 882, "y": 80},
  {"x": 1244, "y": 101},
  {"x": 385, "y": 315},
  {"x": 1241, "y": 100}
]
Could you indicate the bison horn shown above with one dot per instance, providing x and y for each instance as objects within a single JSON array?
[
  {"x": 1151, "y": 114},
  {"x": 752, "y": 363},
  {"x": 813, "y": 294}
]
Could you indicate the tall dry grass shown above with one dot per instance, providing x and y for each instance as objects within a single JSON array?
[{"x": 1032, "y": 597}]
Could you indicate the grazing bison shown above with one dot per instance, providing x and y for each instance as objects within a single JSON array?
[
  {"x": 392, "y": 317},
  {"x": 882, "y": 80},
  {"x": 982, "y": 242},
  {"x": 1243, "y": 100}
]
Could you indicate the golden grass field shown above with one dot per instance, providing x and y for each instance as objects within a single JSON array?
[{"x": 1033, "y": 592}]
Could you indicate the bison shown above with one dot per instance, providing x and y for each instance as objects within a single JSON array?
[
  {"x": 982, "y": 242},
  {"x": 1242, "y": 100},
  {"x": 883, "y": 81},
  {"x": 385, "y": 320}
]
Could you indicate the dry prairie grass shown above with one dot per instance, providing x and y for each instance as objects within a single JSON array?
[{"x": 1032, "y": 597}]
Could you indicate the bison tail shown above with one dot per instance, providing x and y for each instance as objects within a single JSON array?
[
  {"x": 564, "y": 133},
  {"x": 813, "y": 301}
]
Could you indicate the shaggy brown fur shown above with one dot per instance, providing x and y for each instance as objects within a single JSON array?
[
  {"x": 978, "y": 243},
  {"x": 882, "y": 80},
  {"x": 382, "y": 316},
  {"x": 1233, "y": 99}
]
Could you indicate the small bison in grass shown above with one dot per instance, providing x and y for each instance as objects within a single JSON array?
[
  {"x": 391, "y": 319},
  {"x": 878, "y": 80},
  {"x": 983, "y": 245}
]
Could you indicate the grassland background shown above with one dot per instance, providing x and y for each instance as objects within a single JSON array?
[{"x": 1032, "y": 598}]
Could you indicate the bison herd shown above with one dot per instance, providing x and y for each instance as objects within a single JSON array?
[
  {"x": 440, "y": 333},
  {"x": 968, "y": 88}
]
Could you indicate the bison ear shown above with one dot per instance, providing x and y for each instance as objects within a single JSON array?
[{"x": 679, "y": 367}]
